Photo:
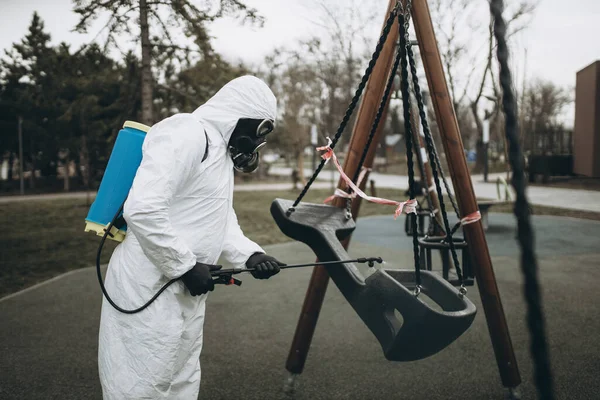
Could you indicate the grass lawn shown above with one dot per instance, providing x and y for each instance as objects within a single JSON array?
[
  {"x": 42, "y": 239},
  {"x": 46, "y": 238}
]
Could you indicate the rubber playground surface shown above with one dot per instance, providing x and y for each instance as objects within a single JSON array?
[{"x": 48, "y": 334}]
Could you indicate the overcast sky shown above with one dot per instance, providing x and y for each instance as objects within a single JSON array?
[{"x": 564, "y": 36}]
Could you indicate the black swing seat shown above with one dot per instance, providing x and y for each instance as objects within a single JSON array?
[{"x": 422, "y": 331}]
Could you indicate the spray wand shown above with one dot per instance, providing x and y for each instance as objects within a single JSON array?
[{"x": 225, "y": 276}]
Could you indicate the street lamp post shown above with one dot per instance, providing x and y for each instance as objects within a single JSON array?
[
  {"x": 314, "y": 140},
  {"x": 486, "y": 144}
]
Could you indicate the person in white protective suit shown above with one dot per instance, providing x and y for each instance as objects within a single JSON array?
[{"x": 180, "y": 220}]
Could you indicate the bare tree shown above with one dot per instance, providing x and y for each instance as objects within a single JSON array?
[
  {"x": 543, "y": 112},
  {"x": 467, "y": 47},
  {"x": 298, "y": 91},
  {"x": 317, "y": 77},
  {"x": 339, "y": 51}
]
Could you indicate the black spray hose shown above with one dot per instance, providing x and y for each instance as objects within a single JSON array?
[
  {"x": 99, "y": 272},
  {"x": 221, "y": 276}
]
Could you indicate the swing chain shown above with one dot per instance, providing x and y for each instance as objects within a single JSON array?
[
  {"x": 432, "y": 153},
  {"x": 349, "y": 203},
  {"x": 353, "y": 103},
  {"x": 407, "y": 15},
  {"x": 529, "y": 266},
  {"x": 436, "y": 158},
  {"x": 406, "y": 105},
  {"x": 380, "y": 112}
]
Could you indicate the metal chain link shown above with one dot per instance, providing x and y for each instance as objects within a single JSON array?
[
  {"x": 406, "y": 14},
  {"x": 378, "y": 117},
  {"x": 433, "y": 155},
  {"x": 406, "y": 17},
  {"x": 408, "y": 138},
  {"x": 437, "y": 159}
]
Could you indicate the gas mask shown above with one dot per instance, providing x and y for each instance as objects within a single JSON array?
[{"x": 248, "y": 137}]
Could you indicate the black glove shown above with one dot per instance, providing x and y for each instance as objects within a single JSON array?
[
  {"x": 264, "y": 266},
  {"x": 199, "y": 280}
]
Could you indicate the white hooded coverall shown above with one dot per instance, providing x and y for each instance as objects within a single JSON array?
[{"x": 179, "y": 211}]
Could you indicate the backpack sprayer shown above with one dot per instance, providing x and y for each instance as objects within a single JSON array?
[
  {"x": 105, "y": 216},
  {"x": 125, "y": 159}
]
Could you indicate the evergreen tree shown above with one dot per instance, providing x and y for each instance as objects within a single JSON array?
[
  {"x": 157, "y": 19},
  {"x": 185, "y": 91},
  {"x": 28, "y": 91},
  {"x": 72, "y": 105},
  {"x": 97, "y": 97}
]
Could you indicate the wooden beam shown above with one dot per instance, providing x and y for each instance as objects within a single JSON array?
[
  {"x": 367, "y": 111},
  {"x": 463, "y": 187}
]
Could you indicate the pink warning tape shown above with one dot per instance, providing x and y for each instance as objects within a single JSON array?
[
  {"x": 471, "y": 218},
  {"x": 409, "y": 206}
]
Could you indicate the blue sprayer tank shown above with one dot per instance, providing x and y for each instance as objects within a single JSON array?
[{"x": 122, "y": 166}]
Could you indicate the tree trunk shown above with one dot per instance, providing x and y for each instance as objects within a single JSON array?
[
  {"x": 84, "y": 162},
  {"x": 66, "y": 170},
  {"x": 480, "y": 156},
  {"x": 300, "y": 166},
  {"x": 146, "y": 65},
  {"x": 32, "y": 175},
  {"x": 533, "y": 142},
  {"x": 11, "y": 170},
  {"x": 330, "y": 121}
]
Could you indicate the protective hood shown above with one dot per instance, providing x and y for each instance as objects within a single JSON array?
[
  {"x": 243, "y": 97},
  {"x": 179, "y": 211}
]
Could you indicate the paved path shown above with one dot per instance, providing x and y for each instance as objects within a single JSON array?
[
  {"x": 48, "y": 335},
  {"x": 585, "y": 200},
  {"x": 248, "y": 187},
  {"x": 52, "y": 196}
]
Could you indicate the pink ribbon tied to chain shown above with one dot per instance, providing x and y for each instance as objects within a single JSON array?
[
  {"x": 409, "y": 206},
  {"x": 343, "y": 194}
]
